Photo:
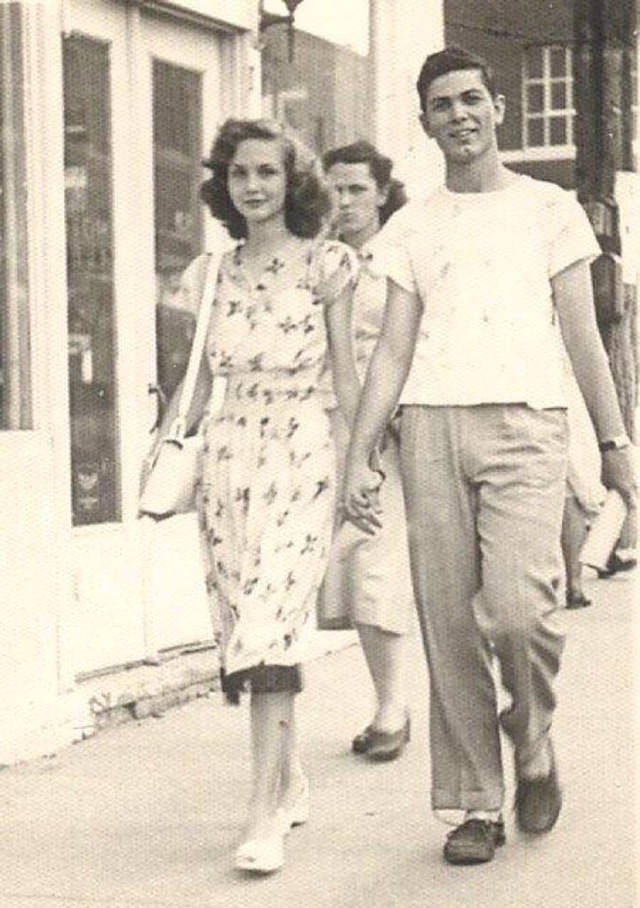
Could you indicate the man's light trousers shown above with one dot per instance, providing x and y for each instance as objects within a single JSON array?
[{"x": 484, "y": 489}]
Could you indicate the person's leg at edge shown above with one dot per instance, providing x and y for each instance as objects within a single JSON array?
[
  {"x": 574, "y": 531},
  {"x": 384, "y": 654}
]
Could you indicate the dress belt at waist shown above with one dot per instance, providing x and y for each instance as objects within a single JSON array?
[{"x": 265, "y": 390}]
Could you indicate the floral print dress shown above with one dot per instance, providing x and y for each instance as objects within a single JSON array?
[{"x": 266, "y": 502}]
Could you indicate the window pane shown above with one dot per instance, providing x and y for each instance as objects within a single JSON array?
[
  {"x": 91, "y": 317},
  {"x": 534, "y": 62},
  {"x": 558, "y": 131},
  {"x": 558, "y": 57},
  {"x": 535, "y": 133},
  {"x": 558, "y": 95},
  {"x": 15, "y": 352},
  {"x": 535, "y": 98},
  {"x": 177, "y": 134}
]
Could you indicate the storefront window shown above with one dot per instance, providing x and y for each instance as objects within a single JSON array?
[
  {"x": 91, "y": 316},
  {"x": 15, "y": 353},
  {"x": 177, "y": 131}
]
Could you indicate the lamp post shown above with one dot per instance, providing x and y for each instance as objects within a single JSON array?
[{"x": 268, "y": 19}]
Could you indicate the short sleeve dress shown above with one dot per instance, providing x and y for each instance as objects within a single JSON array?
[{"x": 268, "y": 464}]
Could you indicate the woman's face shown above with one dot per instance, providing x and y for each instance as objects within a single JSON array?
[
  {"x": 356, "y": 199},
  {"x": 257, "y": 180}
]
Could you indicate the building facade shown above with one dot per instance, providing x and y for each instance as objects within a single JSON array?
[
  {"x": 324, "y": 92},
  {"x": 530, "y": 47},
  {"x": 106, "y": 109}
]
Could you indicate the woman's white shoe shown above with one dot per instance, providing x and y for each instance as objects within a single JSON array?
[
  {"x": 298, "y": 813},
  {"x": 261, "y": 855}
]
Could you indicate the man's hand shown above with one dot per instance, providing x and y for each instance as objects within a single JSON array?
[
  {"x": 619, "y": 472},
  {"x": 361, "y": 503}
]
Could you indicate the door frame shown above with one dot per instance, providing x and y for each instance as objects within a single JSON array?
[{"x": 111, "y": 561}]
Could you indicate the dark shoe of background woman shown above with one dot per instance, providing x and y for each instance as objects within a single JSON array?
[{"x": 616, "y": 564}]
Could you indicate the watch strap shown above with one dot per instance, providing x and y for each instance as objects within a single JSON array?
[{"x": 614, "y": 444}]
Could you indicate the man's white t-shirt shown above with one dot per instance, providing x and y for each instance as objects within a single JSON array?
[{"x": 482, "y": 265}]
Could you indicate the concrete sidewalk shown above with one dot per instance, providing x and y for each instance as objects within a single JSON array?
[{"x": 148, "y": 813}]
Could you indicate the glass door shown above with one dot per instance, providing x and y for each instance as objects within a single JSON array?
[
  {"x": 141, "y": 101},
  {"x": 88, "y": 176},
  {"x": 106, "y": 624},
  {"x": 181, "y": 93},
  {"x": 177, "y": 145}
]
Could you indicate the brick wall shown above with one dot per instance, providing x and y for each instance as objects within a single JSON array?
[
  {"x": 324, "y": 93},
  {"x": 500, "y": 30}
]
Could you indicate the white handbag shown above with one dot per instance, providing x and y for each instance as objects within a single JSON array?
[{"x": 170, "y": 486}]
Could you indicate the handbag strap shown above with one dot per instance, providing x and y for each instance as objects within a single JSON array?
[{"x": 197, "y": 347}]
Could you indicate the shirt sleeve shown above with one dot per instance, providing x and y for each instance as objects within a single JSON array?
[
  {"x": 393, "y": 260},
  {"x": 390, "y": 253},
  {"x": 336, "y": 268},
  {"x": 573, "y": 239}
]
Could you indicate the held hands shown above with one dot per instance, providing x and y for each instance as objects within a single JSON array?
[{"x": 361, "y": 503}]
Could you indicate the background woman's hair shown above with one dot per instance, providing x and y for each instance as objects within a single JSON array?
[
  {"x": 306, "y": 201},
  {"x": 380, "y": 167}
]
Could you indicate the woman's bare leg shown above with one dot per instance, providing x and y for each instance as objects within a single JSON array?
[
  {"x": 292, "y": 779},
  {"x": 384, "y": 653},
  {"x": 271, "y": 724}
]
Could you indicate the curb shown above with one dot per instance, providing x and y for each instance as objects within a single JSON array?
[{"x": 149, "y": 690}]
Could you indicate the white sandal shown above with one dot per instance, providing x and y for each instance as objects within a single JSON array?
[
  {"x": 298, "y": 813},
  {"x": 261, "y": 855}
]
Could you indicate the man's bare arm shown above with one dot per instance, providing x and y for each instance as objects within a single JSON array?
[
  {"x": 387, "y": 373},
  {"x": 573, "y": 297}
]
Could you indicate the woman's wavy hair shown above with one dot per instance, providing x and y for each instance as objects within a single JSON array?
[
  {"x": 380, "y": 167},
  {"x": 306, "y": 201}
]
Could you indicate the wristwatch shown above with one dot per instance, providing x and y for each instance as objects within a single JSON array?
[{"x": 617, "y": 443}]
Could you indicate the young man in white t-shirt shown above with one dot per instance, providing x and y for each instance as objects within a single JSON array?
[{"x": 486, "y": 279}]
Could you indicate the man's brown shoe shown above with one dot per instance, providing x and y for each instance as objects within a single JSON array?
[
  {"x": 474, "y": 841},
  {"x": 539, "y": 801}
]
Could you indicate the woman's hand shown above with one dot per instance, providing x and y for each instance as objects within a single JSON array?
[{"x": 361, "y": 504}]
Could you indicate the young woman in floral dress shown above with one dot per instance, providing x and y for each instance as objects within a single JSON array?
[{"x": 282, "y": 302}]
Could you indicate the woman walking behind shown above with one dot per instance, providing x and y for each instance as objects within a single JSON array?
[
  {"x": 368, "y": 576},
  {"x": 267, "y": 497}
]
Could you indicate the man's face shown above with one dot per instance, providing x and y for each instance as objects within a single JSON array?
[
  {"x": 461, "y": 115},
  {"x": 355, "y": 197}
]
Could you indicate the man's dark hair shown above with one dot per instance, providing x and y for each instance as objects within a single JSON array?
[
  {"x": 380, "y": 167},
  {"x": 450, "y": 59}
]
